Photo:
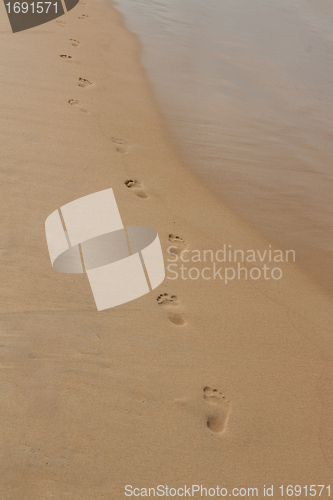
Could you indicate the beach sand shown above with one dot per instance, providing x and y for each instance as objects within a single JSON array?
[{"x": 229, "y": 384}]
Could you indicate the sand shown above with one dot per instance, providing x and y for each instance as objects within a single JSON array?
[{"x": 212, "y": 384}]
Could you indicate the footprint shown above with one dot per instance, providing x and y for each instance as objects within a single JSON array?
[
  {"x": 218, "y": 415},
  {"x": 178, "y": 244},
  {"x": 74, "y": 42},
  {"x": 73, "y": 102},
  {"x": 83, "y": 82},
  {"x": 65, "y": 56},
  {"x": 136, "y": 187},
  {"x": 170, "y": 303},
  {"x": 62, "y": 23},
  {"x": 121, "y": 146},
  {"x": 83, "y": 16}
]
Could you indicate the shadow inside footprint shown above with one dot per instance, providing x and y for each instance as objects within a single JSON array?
[
  {"x": 218, "y": 415},
  {"x": 169, "y": 303},
  {"x": 83, "y": 16},
  {"x": 121, "y": 146},
  {"x": 74, "y": 42},
  {"x": 65, "y": 56},
  {"x": 178, "y": 244},
  {"x": 83, "y": 82},
  {"x": 136, "y": 187},
  {"x": 73, "y": 102}
]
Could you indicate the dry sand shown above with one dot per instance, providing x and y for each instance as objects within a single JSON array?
[{"x": 240, "y": 395}]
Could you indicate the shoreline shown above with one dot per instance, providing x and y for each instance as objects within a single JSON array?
[
  {"x": 186, "y": 387},
  {"x": 265, "y": 151}
]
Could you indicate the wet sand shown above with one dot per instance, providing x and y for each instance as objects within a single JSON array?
[
  {"x": 209, "y": 383},
  {"x": 246, "y": 88}
]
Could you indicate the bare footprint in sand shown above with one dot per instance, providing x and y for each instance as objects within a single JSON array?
[
  {"x": 121, "y": 146},
  {"x": 83, "y": 82},
  {"x": 136, "y": 187},
  {"x": 178, "y": 244},
  {"x": 83, "y": 16},
  {"x": 74, "y": 42},
  {"x": 218, "y": 414},
  {"x": 73, "y": 102},
  {"x": 170, "y": 303},
  {"x": 65, "y": 56},
  {"x": 63, "y": 24}
]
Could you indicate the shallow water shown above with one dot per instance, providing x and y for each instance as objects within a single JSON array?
[{"x": 246, "y": 87}]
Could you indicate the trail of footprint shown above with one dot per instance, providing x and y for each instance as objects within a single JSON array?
[
  {"x": 65, "y": 56},
  {"x": 83, "y": 16},
  {"x": 121, "y": 146},
  {"x": 136, "y": 187},
  {"x": 218, "y": 415},
  {"x": 74, "y": 42},
  {"x": 178, "y": 244},
  {"x": 83, "y": 82},
  {"x": 170, "y": 303}
]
